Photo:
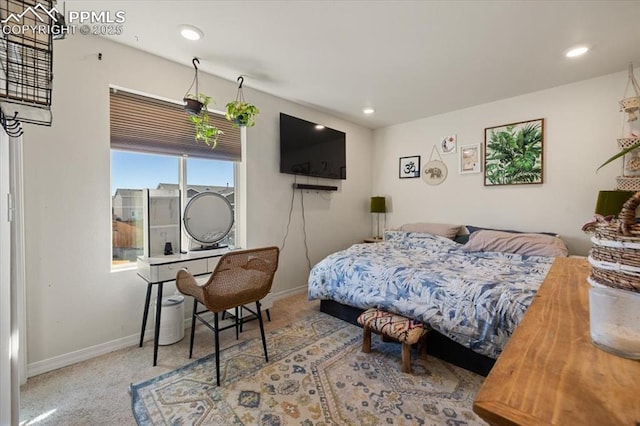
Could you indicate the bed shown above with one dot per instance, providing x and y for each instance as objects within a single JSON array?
[{"x": 474, "y": 298}]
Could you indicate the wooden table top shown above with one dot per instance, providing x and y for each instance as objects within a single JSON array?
[{"x": 551, "y": 373}]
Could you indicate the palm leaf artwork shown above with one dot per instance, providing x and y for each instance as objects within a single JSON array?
[{"x": 514, "y": 154}]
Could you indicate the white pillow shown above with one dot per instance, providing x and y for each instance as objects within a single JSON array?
[{"x": 441, "y": 229}]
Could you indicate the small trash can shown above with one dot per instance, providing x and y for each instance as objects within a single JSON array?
[{"x": 171, "y": 320}]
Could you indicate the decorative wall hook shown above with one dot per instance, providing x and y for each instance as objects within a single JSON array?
[{"x": 12, "y": 126}]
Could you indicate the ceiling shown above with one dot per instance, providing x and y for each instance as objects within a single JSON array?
[{"x": 406, "y": 59}]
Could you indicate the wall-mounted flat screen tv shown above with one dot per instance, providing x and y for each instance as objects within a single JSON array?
[{"x": 310, "y": 149}]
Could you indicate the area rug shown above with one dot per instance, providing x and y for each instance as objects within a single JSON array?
[{"x": 316, "y": 375}]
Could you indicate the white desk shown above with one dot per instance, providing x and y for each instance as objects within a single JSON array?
[{"x": 158, "y": 270}]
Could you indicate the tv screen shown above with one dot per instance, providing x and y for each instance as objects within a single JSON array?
[{"x": 310, "y": 149}]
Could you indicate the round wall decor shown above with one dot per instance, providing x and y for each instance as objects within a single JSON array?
[{"x": 434, "y": 172}]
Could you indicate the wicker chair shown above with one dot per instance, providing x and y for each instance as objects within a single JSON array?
[{"x": 240, "y": 278}]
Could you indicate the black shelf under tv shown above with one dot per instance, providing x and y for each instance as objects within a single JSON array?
[{"x": 314, "y": 187}]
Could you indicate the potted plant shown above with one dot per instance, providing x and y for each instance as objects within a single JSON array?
[
  {"x": 205, "y": 132},
  {"x": 193, "y": 103},
  {"x": 241, "y": 113}
]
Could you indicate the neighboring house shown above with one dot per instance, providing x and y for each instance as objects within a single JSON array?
[
  {"x": 227, "y": 191},
  {"x": 126, "y": 227},
  {"x": 127, "y": 205}
]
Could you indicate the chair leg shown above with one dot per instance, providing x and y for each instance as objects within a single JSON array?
[
  {"x": 236, "y": 319},
  {"x": 366, "y": 340},
  {"x": 264, "y": 340},
  {"x": 268, "y": 315},
  {"x": 193, "y": 327},
  {"x": 406, "y": 358},
  {"x": 422, "y": 347},
  {"x": 215, "y": 334},
  {"x": 241, "y": 318}
]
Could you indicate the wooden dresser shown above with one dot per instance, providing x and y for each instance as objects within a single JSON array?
[{"x": 550, "y": 373}]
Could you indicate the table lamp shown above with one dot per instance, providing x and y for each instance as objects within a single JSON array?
[
  {"x": 378, "y": 205},
  {"x": 610, "y": 202}
]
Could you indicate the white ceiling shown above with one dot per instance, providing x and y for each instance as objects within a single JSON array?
[{"x": 406, "y": 59}]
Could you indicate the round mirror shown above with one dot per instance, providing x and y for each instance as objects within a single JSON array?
[{"x": 208, "y": 218}]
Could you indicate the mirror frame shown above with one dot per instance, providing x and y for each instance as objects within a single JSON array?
[{"x": 190, "y": 204}]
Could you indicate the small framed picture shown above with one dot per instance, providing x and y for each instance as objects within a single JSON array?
[
  {"x": 470, "y": 159},
  {"x": 410, "y": 167},
  {"x": 448, "y": 144}
]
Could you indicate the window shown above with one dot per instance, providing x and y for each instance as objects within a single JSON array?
[
  {"x": 131, "y": 172},
  {"x": 153, "y": 146}
]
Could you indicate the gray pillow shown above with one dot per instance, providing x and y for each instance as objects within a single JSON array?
[{"x": 507, "y": 242}]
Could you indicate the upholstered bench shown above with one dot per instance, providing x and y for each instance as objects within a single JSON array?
[{"x": 396, "y": 327}]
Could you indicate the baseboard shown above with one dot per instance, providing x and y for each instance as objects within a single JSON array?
[
  {"x": 70, "y": 358},
  {"x": 50, "y": 364},
  {"x": 286, "y": 293}
]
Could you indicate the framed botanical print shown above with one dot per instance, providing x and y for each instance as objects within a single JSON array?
[{"x": 513, "y": 153}]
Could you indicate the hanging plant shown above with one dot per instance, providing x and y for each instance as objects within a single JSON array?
[
  {"x": 192, "y": 104},
  {"x": 205, "y": 132},
  {"x": 240, "y": 112},
  {"x": 196, "y": 104},
  {"x": 631, "y": 106}
]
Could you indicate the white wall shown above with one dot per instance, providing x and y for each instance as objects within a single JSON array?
[
  {"x": 582, "y": 123},
  {"x": 74, "y": 301}
]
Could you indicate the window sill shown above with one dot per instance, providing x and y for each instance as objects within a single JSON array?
[{"x": 124, "y": 267}]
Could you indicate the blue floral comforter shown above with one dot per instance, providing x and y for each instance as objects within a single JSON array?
[{"x": 475, "y": 299}]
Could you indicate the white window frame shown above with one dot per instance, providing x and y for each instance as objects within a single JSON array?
[{"x": 182, "y": 185}]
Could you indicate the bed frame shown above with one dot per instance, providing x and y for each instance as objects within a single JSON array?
[{"x": 437, "y": 344}]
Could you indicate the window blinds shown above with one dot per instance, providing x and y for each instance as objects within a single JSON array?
[{"x": 144, "y": 124}]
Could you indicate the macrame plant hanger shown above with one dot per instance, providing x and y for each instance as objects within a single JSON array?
[
  {"x": 631, "y": 105},
  {"x": 630, "y": 137}
]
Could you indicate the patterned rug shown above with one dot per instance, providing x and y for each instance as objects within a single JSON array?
[{"x": 316, "y": 375}]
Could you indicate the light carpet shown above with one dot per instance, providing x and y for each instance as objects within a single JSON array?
[{"x": 316, "y": 375}]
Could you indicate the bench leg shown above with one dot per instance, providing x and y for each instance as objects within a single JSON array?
[
  {"x": 406, "y": 358},
  {"x": 366, "y": 340},
  {"x": 422, "y": 347}
]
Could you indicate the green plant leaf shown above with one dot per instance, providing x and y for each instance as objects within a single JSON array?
[
  {"x": 204, "y": 131},
  {"x": 619, "y": 154}
]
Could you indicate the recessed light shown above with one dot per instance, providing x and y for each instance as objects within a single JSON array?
[
  {"x": 190, "y": 32},
  {"x": 319, "y": 127},
  {"x": 368, "y": 110},
  {"x": 576, "y": 51}
]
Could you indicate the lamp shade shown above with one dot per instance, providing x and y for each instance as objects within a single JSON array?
[
  {"x": 610, "y": 202},
  {"x": 378, "y": 205}
]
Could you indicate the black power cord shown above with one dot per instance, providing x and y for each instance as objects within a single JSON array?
[{"x": 304, "y": 223}]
